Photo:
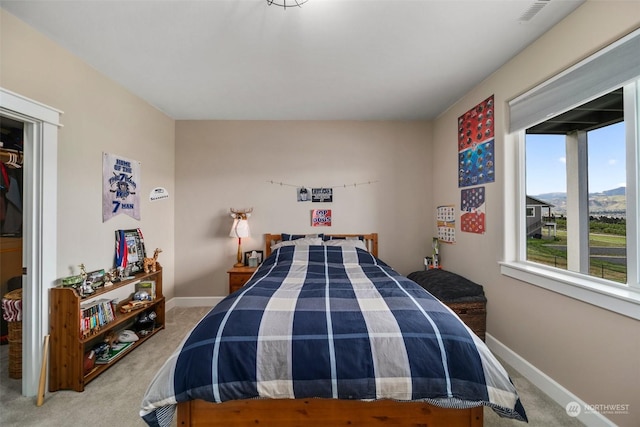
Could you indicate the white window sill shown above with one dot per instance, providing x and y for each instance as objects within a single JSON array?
[{"x": 620, "y": 299}]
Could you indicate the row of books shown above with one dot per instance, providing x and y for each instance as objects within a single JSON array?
[{"x": 95, "y": 315}]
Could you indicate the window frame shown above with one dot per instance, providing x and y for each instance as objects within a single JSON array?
[
  {"x": 531, "y": 211},
  {"x": 620, "y": 298}
]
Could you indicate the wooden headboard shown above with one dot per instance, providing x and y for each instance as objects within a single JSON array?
[{"x": 370, "y": 240}]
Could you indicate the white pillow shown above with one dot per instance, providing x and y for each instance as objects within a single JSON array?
[
  {"x": 298, "y": 242},
  {"x": 352, "y": 243}
]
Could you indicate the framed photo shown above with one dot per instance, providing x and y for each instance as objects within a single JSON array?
[
  {"x": 247, "y": 255},
  {"x": 130, "y": 251},
  {"x": 148, "y": 286},
  {"x": 96, "y": 278}
]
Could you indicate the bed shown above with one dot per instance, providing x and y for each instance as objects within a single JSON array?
[{"x": 325, "y": 333}]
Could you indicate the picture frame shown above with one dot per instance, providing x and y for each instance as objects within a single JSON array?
[
  {"x": 148, "y": 286},
  {"x": 96, "y": 278},
  {"x": 247, "y": 255},
  {"x": 130, "y": 250}
]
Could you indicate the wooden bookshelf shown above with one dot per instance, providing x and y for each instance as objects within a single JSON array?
[{"x": 68, "y": 345}]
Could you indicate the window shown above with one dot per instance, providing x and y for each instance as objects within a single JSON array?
[
  {"x": 574, "y": 145},
  {"x": 585, "y": 148}
]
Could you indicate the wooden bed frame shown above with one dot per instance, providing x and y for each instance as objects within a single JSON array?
[
  {"x": 323, "y": 412},
  {"x": 370, "y": 240}
]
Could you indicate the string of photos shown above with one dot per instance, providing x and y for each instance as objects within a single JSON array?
[{"x": 319, "y": 194}]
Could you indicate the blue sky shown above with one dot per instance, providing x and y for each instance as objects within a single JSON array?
[{"x": 546, "y": 158}]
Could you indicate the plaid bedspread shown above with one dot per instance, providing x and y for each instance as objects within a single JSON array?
[{"x": 331, "y": 322}]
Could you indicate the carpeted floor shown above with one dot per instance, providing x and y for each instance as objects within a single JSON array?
[{"x": 113, "y": 399}]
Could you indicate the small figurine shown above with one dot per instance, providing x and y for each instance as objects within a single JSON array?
[
  {"x": 83, "y": 273},
  {"x": 124, "y": 273},
  {"x": 85, "y": 287},
  {"x": 149, "y": 264},
  {"x": 436, "y": 253},
  {"x": 110, "y": 338},
  {"x": 109, "y": 277}
]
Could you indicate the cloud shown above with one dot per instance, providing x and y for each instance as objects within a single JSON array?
[
  {"x": 562, "y": 160},
  {"x": 612, "y": 162}
]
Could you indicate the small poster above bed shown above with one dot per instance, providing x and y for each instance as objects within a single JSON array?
[
  {"x": 321, "y": 218},
  {"x": 321, "y": 195}
]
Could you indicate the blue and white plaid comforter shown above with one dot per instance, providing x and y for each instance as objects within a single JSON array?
[{"x": 331, "y": 322}]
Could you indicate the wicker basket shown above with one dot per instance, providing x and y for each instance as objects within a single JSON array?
[
  {"x": 473, "y": 314},
  {"x": 15, "y": 349},
  {"x": 15, "y": 340},
  {"x": 463, "y": 296}
]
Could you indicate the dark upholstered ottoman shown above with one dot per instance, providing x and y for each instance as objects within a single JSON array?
[{"x": 463, "y": 296}]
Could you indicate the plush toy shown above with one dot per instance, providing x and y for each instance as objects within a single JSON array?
[{"x": 149, "y": 264}]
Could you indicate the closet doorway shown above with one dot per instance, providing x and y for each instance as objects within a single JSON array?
[
  {"x": 39, "y": 221},
  {"x": 11, "y": 195}
]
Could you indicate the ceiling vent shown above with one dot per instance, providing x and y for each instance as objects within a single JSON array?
[{"x": 533, "y": 10}]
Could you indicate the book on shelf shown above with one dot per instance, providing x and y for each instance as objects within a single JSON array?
[
  {"x": 114, "y": 352},
  {"x": 96, "y": 314}
]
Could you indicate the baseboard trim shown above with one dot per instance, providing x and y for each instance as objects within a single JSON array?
[
  {"x": 192, "y": 302},
  {"x": 548, "y": 385}
]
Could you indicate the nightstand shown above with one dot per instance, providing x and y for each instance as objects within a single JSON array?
[{"x": 238, "y": 276}]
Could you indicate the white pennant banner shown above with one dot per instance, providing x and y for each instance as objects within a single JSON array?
[{"x": 120, "y": 187}]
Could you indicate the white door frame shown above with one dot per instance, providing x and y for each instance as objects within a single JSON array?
[{"x": 39, "y": 212}]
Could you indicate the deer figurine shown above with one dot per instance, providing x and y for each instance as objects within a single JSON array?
[{"x": 149, "y": 264}]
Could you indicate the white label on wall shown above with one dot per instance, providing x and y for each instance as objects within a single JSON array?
[{"x": 158, "y": 193}]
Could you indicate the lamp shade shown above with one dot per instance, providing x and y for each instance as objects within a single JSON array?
[{"x": 240, "y": 228}]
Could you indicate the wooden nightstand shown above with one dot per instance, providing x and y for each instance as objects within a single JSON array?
[{"x": 238, "y": 276}]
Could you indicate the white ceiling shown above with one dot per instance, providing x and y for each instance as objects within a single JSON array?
[{"x": 326, "y": 60}]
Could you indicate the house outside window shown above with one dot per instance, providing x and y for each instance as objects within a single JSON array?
[
  {"x": 540, "y": 220},
  {"x": 576, "y": 148}
]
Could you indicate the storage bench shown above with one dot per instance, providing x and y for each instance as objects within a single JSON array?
[{"x": 463, "y": 296}]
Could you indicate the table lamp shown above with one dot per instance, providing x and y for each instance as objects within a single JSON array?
[{"x": 240, "y": 229}]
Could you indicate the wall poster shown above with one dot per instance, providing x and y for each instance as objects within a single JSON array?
[
  {"x": 322, "y": 194},
  {"x": 476, "y": 140},
  {"x": 321, "y": 218},
  {"x": 120, "y": 182},
  {"x": 472, "y": 205},
  {"x": 446, "y": 217},
  {"x": 304, "y": 195}
]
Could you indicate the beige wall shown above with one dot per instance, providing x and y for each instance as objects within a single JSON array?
[
  {"x": 226, "y": 164},
  {"x": 590, "y": 351},
  {"x": 99, "y": 116}
]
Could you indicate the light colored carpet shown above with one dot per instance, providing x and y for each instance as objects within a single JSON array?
[{"x": 113, "y": 399}]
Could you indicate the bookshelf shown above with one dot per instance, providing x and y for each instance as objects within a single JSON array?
[{"x": 70, "y": 338}]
